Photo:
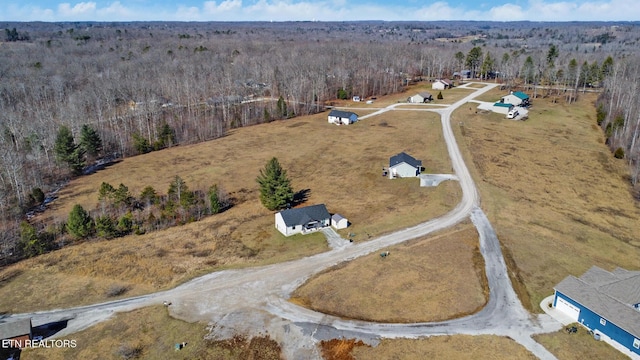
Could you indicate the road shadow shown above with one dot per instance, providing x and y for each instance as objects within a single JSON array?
[{"x": 49, "y": 329}]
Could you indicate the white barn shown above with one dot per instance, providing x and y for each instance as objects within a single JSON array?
[
  {"x": 421, "y": 97},
  {"x": 339, "y": 222},
  {"x": 302, "y": 220},
  {"x": 340, "y": 117},
  {"x": 441, "y": 84}
]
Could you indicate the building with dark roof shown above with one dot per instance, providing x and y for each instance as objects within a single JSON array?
[
  {"x": 608, "y": 303},
  {"x": 302, "y": 220},
  {"x": 340, "y": 117},
  {"x": 404, "y": 165}
]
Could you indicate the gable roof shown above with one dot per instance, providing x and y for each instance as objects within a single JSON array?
[
  {"x": 304, "y": 215},
  {"x": 404, "y": 158},
  {"x": 425, "y": 94},
  {"x": 611, "y": 295},
  {"x": 337, "y": 217},
  {"x": 14, "y": 329},
  {"x": 342, "y": 114},
  {"x": 520, "y": 95}
]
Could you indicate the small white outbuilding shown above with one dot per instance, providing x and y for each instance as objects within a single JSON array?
[{"x": 339, "y": 222}]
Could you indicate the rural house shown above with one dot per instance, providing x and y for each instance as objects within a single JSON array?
[
  {"x": 302, "y": 220},
  {"x": 339, "y": 222},
  {"x": 502, "y": 108},
  {"x": 16, "y": 332},
  {"x": 340, "y": 117},
  {"x": 421, "y": 97},
  {"x": 441, "y": 84},
  {"x": 404, "y": 165},
  {"x": 517, "y": 98},
  {"x": 607, "y": 303}
]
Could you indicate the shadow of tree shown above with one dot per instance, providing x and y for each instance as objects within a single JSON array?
[{"x": 301, "y": 196}]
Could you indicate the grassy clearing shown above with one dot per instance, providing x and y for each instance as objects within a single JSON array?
[
  {"x": 558, "y": 199},
  {"x": 580, "y": 345},
  {"x": 460, "y": 347},
  {"x": 413, "y": 284},
  {"x": 340, "y": 166},
  {"x": 150, "y": 333}
]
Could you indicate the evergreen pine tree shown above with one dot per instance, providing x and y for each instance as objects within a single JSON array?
[
  {"x": 275, "y": 187},
  {"x": 214, "y": 200},
  {"x": 67, "y": 151},
  {"x": 80, "y": 224},
  {"x": 90, "y": 141}
]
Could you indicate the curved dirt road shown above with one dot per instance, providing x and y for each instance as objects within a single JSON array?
[{"x": 253, "y": 301}]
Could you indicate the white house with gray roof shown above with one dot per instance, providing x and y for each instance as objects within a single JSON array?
[
  {"x": 340, "y": 117},
  {"x": 607, "y": 303},
  {"x": 302, "y": 220},
  {"x": 404, "y": 165}
]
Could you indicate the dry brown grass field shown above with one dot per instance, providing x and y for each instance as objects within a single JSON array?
[
  {"x": 580, "y": 345},
  {"x": 558, "y": 199},
  {"x": 415, "y": 283},
  {"x": 150, "y": 333},
  {"x": 341, "y": 167},
  {"x": 459, "y": 347}
]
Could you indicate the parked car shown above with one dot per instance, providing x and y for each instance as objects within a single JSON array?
[{"x": 513, "y": 114}]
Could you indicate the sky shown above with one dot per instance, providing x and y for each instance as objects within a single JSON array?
[{"x": 319, "y": 10}]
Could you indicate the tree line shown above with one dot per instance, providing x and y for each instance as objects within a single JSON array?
[
  {"x": 75, "y": 93},
  {"x": 119, "y": 213}
]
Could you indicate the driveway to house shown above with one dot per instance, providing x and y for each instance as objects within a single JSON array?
[{"x": 254, "y": 302}]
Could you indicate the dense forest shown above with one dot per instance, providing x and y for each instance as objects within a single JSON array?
[{"x": 74, "y": 96}]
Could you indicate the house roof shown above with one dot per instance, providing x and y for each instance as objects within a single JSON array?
[
  {"x": 425, "y": 94},
  {"x": 444, "y": 81},
  {"x": 404, "y": 158},
  {"x": 611, "y": 295},
  {"x": 342, "y": 114},
  {"x": 304, "y": 215},
  {"x": 520, "y": 95},
  {"x": 337, "y": 217},
  {"x": 499, "y": 104},
  {"x": 16, "y": 328}
]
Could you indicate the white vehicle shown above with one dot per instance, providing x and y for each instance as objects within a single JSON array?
[{"x": 513, "y": 114}]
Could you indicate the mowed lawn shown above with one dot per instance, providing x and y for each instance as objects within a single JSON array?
[
  {"x": 338, "y": 166},
  {"x": 558, "y": 199}
]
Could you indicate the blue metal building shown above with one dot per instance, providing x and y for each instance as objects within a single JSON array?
[{"x": 608, "y": 303}]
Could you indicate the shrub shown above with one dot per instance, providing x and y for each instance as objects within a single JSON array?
[
  {"x": 440, "y": 97},
  {"x": 80, "y": 223},
  {"x": 116, "y": 290},
  {"x": 619, "y": 153}
]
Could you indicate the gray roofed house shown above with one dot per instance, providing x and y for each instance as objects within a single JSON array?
[
  {"x": 302, "y": 220},
  {"x": 404, "y": 165},
  {"x": 18, "y": 330},
  {"x": 340, "y": 117},
  {"x": 607, "y": 303},
  {"x": 421, "y": 97}
]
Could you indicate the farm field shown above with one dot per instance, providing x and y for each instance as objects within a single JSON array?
[{"x": 339, "y": 166}]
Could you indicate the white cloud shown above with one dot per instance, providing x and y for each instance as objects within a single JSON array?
[
  {"x": 507, "y": 12},
  {"x": 211, "y": 7},
  {"x": 78, "y": 10}
]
